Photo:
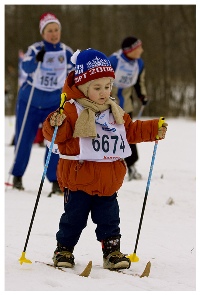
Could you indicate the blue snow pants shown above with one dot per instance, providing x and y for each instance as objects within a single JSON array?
[
  {"x": 77, "y": 206},
  {"x": 38, "y": 112}
]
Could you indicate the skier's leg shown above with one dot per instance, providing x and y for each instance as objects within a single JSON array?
[
  {"x": 72, "y": 223},
  {"x": 130, "y": 162},
  {"x": 105, "y": 213},
  {"x": 24, "y": 149}
]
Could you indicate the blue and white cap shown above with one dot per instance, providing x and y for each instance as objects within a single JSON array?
[{"x": 91, "y": 64}]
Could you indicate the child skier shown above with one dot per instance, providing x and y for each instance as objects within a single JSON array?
[{"x": 93, "y": 140}]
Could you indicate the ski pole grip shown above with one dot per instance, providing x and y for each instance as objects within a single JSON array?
[
  {"x": 62, "y": 102},
  {"x": 160, "y": 123}
]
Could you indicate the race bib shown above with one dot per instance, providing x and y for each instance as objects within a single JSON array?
[
  {"x": 126, "y": 74},
  {"x": 52, "y": 72},
  {"x": 110, "y": 143}
]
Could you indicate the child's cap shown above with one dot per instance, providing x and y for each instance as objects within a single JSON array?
[
  {"x": 91, "y": 64},
  {"x": 130, "y": 43},
  {"x": 47, "y": 18}
]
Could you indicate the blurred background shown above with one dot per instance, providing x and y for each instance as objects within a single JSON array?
[{"x": 168, "y": 33}]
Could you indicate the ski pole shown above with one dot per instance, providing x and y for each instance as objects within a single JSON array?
[
  {"x": 133, "y": 257},
  {"x": 140, "y": 112},
  {"x": 24, "y": 120},
  {"x": 23, "y": 259}
]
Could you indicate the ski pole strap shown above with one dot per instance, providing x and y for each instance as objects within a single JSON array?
[
  {"x": 160, "y": 123},
  {"x": 62, "y": 102}
]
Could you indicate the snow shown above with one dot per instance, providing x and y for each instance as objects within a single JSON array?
[{"x": 167, "y": 237}]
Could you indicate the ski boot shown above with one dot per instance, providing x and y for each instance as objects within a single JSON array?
[
  {"x": 63, "y": 256},
  {"x": 133, "y": 174},
  {"x": 55, "y": 189},
  {"x": 113, "y": 259},
  {"x": 17, "y": 183}
]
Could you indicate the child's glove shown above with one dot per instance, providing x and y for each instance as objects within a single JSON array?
[
  {"x": 57, "y": 119},
  {"x": 162, "y": 131}
]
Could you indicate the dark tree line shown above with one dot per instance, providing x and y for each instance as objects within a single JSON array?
[{"x": 168, "y": 33}]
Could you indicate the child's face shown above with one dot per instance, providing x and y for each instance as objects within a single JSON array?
[
  {"x": 52, "y": 33},
  {"x": 99, "y": 90}
]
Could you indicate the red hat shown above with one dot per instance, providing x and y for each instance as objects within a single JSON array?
[
  {"x": 91, "y": 64},
  {"x": 47, "y": 18}
]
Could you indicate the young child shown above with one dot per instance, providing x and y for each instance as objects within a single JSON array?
[{"x": 93, "y": 140}]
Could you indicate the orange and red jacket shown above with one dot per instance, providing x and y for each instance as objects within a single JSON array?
[{"x": 101, "y": 178}]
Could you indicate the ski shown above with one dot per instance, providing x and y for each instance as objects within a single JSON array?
[
  {"x": 12, "y": 189},
  {"x": 145, "y": 272},
  {"x": 7, "y": 184},
  {"x": 85, "y": 273},
  {"x": 87, "y": 270}
]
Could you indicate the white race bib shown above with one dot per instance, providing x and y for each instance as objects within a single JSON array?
[
  {"x": 109, "y": 145},
  {"x": 53, "y": 70},
  {"x": 126, "y": 74}
]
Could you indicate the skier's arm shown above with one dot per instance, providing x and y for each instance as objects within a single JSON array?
[
  {"x": 30, "y": 63},
  {"x": 140, "y": 86},
  {"x": 144, "y": 131}
]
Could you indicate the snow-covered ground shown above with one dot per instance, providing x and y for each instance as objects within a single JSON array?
[{"x": 167, "y": 238}]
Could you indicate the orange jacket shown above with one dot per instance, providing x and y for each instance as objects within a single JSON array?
[{"x": 101, "y": 178}]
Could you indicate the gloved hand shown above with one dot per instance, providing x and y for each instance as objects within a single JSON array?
[
  {"x": 162, "y": 131},
  {"x": 40, "y": 55},
  {"x": 57, "y": 119},
  {"x": 144, "y": 100}
]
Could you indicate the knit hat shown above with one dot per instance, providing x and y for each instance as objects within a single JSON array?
[
  {"x": 91, "y": 64},
  {"x": 47, "y": 18},
  {"x": 130, "y": 43}
]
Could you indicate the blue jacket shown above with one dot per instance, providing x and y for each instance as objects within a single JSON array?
[{"x": 42, "y": 99}]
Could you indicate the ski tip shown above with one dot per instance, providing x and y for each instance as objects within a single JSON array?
[
  {"x": 87, "y": 270},
  {"x": 8, "y": 184},
  {"x": 146, "y": 271}
]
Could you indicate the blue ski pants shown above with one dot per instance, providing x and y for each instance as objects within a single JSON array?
[
  {"x": 34, "y": 118},
  {"x": 77, "y": 206}
]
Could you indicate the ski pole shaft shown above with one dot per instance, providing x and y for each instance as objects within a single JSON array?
[
  {"x": 23, "y": 259},
  {"x": 146, "y": 193},
  {"x": 140, "y": 112},
  {"x": 161, "y": 121},
  {"x": 133, "y": 257},
  {"x": 41, "y": 185}
]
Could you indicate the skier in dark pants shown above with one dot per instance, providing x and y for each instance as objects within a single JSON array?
[
  {"x": 129, "y": 74},
  {"x": 48, "y": 80}
]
